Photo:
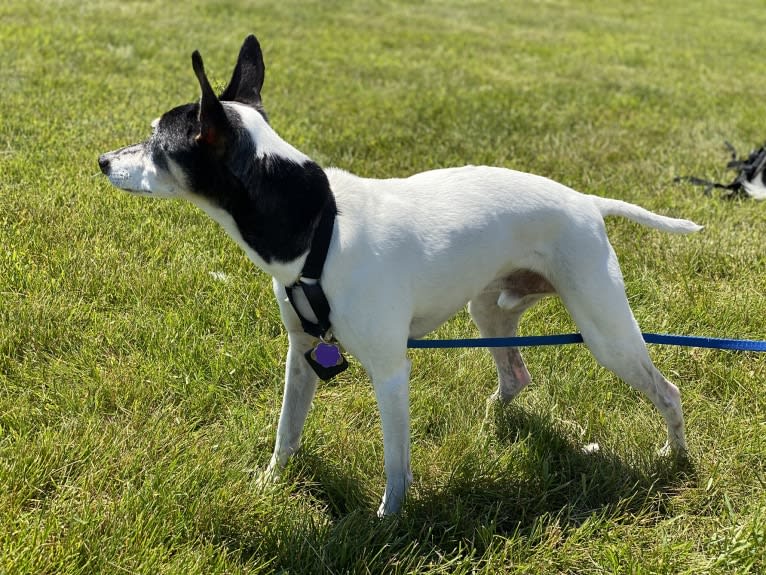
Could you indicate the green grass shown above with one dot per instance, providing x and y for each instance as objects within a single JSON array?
[{"x": 139, "y": 395}]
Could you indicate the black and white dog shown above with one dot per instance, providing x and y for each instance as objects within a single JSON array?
[{"x": 395, "y": 257}]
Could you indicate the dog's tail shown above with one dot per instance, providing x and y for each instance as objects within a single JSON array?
[{"x": 610, "y": 207}]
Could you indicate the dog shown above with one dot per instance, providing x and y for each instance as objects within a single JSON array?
[{"x": 398, "y": 258}]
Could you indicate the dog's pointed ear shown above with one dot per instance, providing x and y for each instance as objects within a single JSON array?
[
  {"x": 214, "y": 126},
  {"x": 247, "y": 80}
]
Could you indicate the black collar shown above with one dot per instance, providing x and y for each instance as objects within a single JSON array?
[{"x": 312, "y": 271}]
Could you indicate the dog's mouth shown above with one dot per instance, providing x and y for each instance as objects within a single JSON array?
[
  {"x": 121, "y": 179},
  {"x": 121, "y": 183}
]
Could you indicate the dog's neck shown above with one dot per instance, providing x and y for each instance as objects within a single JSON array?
[{"x": 274, "y": 198}]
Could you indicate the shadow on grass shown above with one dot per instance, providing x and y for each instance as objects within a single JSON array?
[
  {"x": 548, "y": 477},
  {"x": 545, "y": 483}
]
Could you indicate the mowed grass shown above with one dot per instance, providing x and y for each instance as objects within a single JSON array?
[{"x": 141, "y": 354}]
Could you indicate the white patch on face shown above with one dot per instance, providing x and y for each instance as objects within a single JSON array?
[
  {"x": 132, "y": 170},
  {"x": 267, "y": 141}
]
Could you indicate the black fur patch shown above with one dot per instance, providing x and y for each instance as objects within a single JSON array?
[{"x": 275, "y": 202}]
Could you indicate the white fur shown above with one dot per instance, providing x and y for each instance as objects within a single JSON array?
[
  {"x": 132, "y": 170},
  {"x": 407, "y": 254},
  {"x": 268, "y": 141}
]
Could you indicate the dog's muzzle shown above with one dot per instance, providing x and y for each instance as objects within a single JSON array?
[{"x": 126, "y": 169}]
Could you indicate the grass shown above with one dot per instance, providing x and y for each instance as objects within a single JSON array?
[{"x": 139, "y": 391}]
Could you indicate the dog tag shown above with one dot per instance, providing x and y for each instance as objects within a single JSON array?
[{"x": 326, "y": 360}]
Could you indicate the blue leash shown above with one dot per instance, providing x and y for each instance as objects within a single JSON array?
[{"x": 537, "y": 340}]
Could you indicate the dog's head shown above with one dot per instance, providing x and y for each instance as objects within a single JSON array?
[
  {"x": 197, "y": 149},
  {"x": 221, "y": 154}
]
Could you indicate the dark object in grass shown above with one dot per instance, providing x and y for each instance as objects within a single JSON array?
[{"x": 750, "y": 181}]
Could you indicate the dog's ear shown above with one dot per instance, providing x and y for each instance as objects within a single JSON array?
[
  {"x": 247, "y": 80},
  {"x": 214, "y": 125}
]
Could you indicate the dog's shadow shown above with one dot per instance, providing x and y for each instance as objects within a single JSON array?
[
  {"x": 551, "y": 480},
  {"x": 549, "y": 483}
]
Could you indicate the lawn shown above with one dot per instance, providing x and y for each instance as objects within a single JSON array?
[{"x": 141, "y": 354}]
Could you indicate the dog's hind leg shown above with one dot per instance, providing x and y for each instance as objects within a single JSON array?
[
  {"x": 493, "y": 321},
  {"x": 594, "y": 294},
  {"x": 496, "y": 313},
  {"x": 625, "y": 354}
]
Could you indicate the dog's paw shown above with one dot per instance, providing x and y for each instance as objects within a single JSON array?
[
  {"x": 670, "y": 450},
  {"x": 268, "y": 477},
  {"x": 679, "y": 455},
  {"x": 590, "y": 449},
  {"x": 496, "y": 403},
  {"x": 676, "y": 462},
  {"x": 498, "y": 414},
  {"x": 666, "y": 450},
  {"x": 395, "y": 494},
  {"x": 388, "y": 507}
]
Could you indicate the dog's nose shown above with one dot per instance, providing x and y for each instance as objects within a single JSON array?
[{"x": 103, "y": 163}]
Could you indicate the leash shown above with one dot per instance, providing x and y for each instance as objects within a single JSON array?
[{"x": 569, "y": 338}]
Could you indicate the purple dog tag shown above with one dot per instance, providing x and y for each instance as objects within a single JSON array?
[
  {"x": 326, "y": 360},
  {"x": 327, "y": 354}
]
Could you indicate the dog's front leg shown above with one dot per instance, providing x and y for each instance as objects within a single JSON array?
[
  {"x": 300, "y": 386},
  {"x": 392, "y": 394}
]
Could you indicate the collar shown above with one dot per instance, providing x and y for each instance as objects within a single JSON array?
[{"x": 309, "y": 280}]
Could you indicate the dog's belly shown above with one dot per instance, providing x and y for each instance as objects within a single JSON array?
[
  {"x": 420, "y": 326},
  {"x": 514, "y": 291},
  {"x": 441, "y": 304}
]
